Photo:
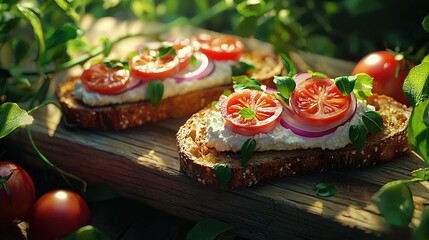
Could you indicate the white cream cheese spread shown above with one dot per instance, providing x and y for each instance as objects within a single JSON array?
[{"x": 222, "y": 139}]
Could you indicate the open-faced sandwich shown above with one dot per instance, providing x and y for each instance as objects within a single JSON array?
[
  {"x": 161, "y": 80},
  {"x": 309, "y": 123}
]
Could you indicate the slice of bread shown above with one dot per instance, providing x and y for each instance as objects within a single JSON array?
[
  {"x": 122, "y": 116},
  {"x": 197, "y": 160}
]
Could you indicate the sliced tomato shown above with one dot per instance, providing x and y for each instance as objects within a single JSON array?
[
  {"x": 267, "y": 111},
  {"x": 149, "y": 65},
  {"x": 100, "y": 78},
  {"x": 319, "y": 102},
  {"x": 219, "y": 48}
]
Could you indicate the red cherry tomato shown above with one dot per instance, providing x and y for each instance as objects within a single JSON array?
[
  {"x": 265, "y": 108},
  {"x": 57, "y": 214},
  {"x": 320, "y": 102},
  {"x": 152, "y": 65},
  {"x": 383, "y": 67},
  {"x": 100, "y": 78},
  {"x": 14, "y": 207},
  {"x": 219, "y": 48}
]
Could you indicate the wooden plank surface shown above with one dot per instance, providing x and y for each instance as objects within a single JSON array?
[{"x": 142, "y": 163}]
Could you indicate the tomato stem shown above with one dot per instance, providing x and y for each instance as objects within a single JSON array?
[{"x": 3, "y": 183}]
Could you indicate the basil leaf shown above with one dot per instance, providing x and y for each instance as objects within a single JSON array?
[
  {"x": 11, "y": 117},
  {"x": 247, "y": 113},
  {"x": 317, "y": 74},
  {"x": 165, "y": 50},
  {"x": 107, "y": 47},
  {"x": 418, "y": 132},
  {"x": 421, "y": 173},
  {"x": 395, "y": 203},
  {"x": 363, "y": 86},
  {"x": 288, "y": 64},
  {"x": 226, "y": 92},
  {"x": 416, "y": 84},
  {"x": 194, "y": 60},
  {"x": 208, "y": 229},
  {"x": 325, "y": 189},
  {"x": 422, "y": 231},
  {"x": 213, "y": 105},
  {"x": 345, "y": 84},
  {"x": 116, "y": 64},
  {"x": 247, "y": 150},
  {"x": 280, "y": 97},
  {"x": 245, "y": 82},
  {"x": 154, "y": 91},
  {"x": 425, "y": 23},
  {"x": 62, "y": 35},
  {"x": 222, "y": 174},
  {"x": 241, "y": 68},
  {"x": 285, "y": 85},
  {"x": 87, "y": 233},
  {"x": 373, "y": 121},
  {"x": 357, "y": 135}
]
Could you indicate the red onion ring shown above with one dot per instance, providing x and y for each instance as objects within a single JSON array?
[
  {"x": 132, "y": 84},
  {"x": 301, "y": 76},
  {"x": 203, "y": 68}
]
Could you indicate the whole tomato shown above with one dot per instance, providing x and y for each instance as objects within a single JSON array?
[
  {"x": 57, "y": 214},
  {"x": 17, "y": 194},
  {"x": 388, "y": 73}
]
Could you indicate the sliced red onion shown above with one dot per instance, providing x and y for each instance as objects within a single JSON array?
[
  {"x": 132, "y": 84},
  {"x": 301, "y": 76},
  {"x": 293, "y": 121},
  {"x": 203, "y": 68}
]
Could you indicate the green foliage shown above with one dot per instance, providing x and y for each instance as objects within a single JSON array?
[
  {"x": 247, "y": 150},
  {"x": 11, "y": 117},
  {"x": 208, "y": 229},
  {"x": 325, "y": 189},
  {"x": 87, "y": 233},
  {"x": 222, "y": 174}
]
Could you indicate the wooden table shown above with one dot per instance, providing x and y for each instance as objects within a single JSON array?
[{"x": 142, "y": 163}]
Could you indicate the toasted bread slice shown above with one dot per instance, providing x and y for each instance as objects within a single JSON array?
[
  {"x": 122, "y": 116},
  {"x": 197, "y": 160}
]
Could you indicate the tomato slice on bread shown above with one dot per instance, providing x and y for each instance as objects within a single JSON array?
[
  {"x": 250, "y": 112},
  {"x": 220, "y": 48},
  {"x": 154, "y": 64},
  {"x": 102, "y": 79}
]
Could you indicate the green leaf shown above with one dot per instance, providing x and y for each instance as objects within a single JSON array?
[
  {"x": 226, "y": 92},
  {"x": 165, "y": 50},
  {"x": 247, "y": 113},
  {"x": 113, "y": 63},
  {"x": 426, "y": 116},
  {"x": 285, "y": 85},
  {"x": 251, "y": 8},
  {"x": 63, "y": 4},
  {"x": 418, "y": 132},
  {"x": 144, "y": 9},
  {"x": 357, "y": 135},
  {"x": 416, "y": 84},
  {"x": 62, "y": 35},
  {"x": 107, "y": 47},
  {"x": 247, "y": 150},
  {"x": 11, "y": 117},
  {"x": 21, "y": 49},
  {"x": 363, "y": 86},
  {"x": 345, "y": 84},
  {"x": 245, "y": 82},
  {"x": 222, "y": 174},
  {"x": 395, "y": 203},
  {"x": 288, "y": 64},
  {"x": 208, "y": 229},
  {"x": 317, "y": 74},
  {"x": 241, "y": 68},
  {"x": 373, "y": 121},
  {"x": 421, "y": 173},
  {"x": 425, "y": 23},
  {"x": 154, "y": 91},
  {"x": 422, "y": 231},
  {"x": 37, "y": 28},
  {"x": 96, "y": 192},
  {"x": 87, "y": 233},
  {"x": 325, "y": 189}
]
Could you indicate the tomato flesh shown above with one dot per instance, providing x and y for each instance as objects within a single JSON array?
[
  {"x": 267, "y": 111},
  {"x": 148, "y": 66},
  {"x": 320, "y": 102},
  {"x": 219, "y": 48},
  {"x": 100, "y": 78}
]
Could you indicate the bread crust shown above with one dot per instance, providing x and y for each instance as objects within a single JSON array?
[
  {"x": 123, "y": 116},
  {"x": 197, "y": 160}
]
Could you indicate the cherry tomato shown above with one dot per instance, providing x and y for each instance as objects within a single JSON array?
[
  {"x": 57, "y": 214},
  {"x": 320, "y": 102},
  {"x": 100, "y": 78},
  {"x": 15, "y": 207},
  {"x": 153, "y": 65},
  {"x": 383, "y": 67},
  {"x": 265, "y": 108},
  {"x": 219, "y": 48}
]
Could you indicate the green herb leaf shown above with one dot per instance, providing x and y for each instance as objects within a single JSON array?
[
  {"x": 317, "y": 74},
  {"x": 194, "y": 60},
  {"x": 241, "y": 68},
  {"x": 425, "y": 23},
  {"x": 247, "y": 113},
  {"x": 422, "y": 231},
  {"x": 213, "y": 105},
  {"x": 251, "y": 8},
  {"x": 165, "y": 50},
  {"x": 426, "y": 116},
  {"x": 62, "y": 35},
  {"x": 363, "y": 86},
  {"x": 280, "y": 97},
  {"x": 155, "y": 91},
  {"x": 116, "y": 63},
  {"x": 325, "y": 189},
  {"x": 222, "y": 174},
  {"x": 37, "y": 27},
  {"x": 245, "y": 82},
  {"x": 208, "y": 229},
  {"x": 63, "y": 4},
  {"x": 288, "y": 64},
  {"x": 285, "y": 85},
  {"x": 247, "y": 150},
  {"x": 416, "y": 84},
  {"x": 373, "y": 121},
  {"x": 421, "y": 173},
  {"x": 11, "y": 117},
  {"x": 345, "y": 84},
  {"x": 226, "y": 92},
  {"x": 357, "y": 135},
  {"x": 96, "y": 192},
  {"x": 87, "y": 233},
  {"x": 107, "y": 47},
  {"x": 395, "y": 203},
  {"x": 418, "y": 132}
]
